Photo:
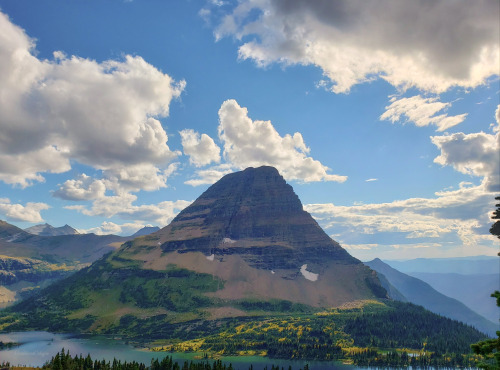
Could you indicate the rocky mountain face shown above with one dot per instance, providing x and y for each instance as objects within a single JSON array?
[
  {"x": 250, "y": 230},
  {"x": 49, "y": 230},
  {"x": 254, "y": 214}
]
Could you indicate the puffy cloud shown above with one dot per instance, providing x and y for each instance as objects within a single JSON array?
[
  {"x": 430, "y": 45},
  {"x": 119, "y": 180},
  {"x": 421, "y": 111},
  {"x": 201, "y": 150},
  {"x": 210, "y": 175},
  {"x": 100, "y": 114},
  {"x": 454, "y": 218},
  {"x": 24, "y": 169},
  {"x": 108, "y": 227},
  {"x": 17, "y": 212},
  {"x": 454, "y": 222},
  {"x": 250, "y": 143},
  {"x": 82, "y": 188},
  {"x": 138, "y": 177},
  {"x": 122, "y": 206},
  {"x": 475, "y": 154}
]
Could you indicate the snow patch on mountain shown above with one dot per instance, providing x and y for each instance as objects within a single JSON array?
[{"x": 307, "y": 274}]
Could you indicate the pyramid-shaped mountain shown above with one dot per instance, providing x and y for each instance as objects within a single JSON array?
[
  {"x": 244, "y": 247},
  {"x": 250, "y": 230},
  {"x": 257, "y": 215}
]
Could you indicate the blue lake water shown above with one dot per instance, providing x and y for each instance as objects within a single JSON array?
[{"x": 39, "y": 347}]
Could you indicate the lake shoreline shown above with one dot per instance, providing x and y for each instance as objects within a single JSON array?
[{"x": 38, "y": 347}]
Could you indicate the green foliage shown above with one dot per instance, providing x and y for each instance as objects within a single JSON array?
[
  {"x": 402, "y": 359},
  {"x": 495, "y": 228},
  {"x": 292, "y": 337},
  {"x": 330, "y": 335},
  {"x": 7, "y": 345},
  {"x": 490, "y": 349},
  {"x": 410, "y": 326},
  {"x": 273, "y": 305},
  {"x": 173, "y": 289},
  {"x": 63, "y": 361}
]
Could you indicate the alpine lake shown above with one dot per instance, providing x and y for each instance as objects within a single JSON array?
[{"x": 35, "y": 348}]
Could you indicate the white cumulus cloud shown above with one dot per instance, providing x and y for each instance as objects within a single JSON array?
[
  {"x": 201, "y": 150},
  {"x": 82, "y": 188},
  {"x": 101, "y": 114},
  {"x": 249, "y": 143},
  {"x": 123, "y": 206},
  {"x": 210, "y": 175},
  {"x": 109, "y": 227},
  {"x": 475, "y": 154},
  {"x": 455, "y": 218},
  {"x": 422, "y": 112},
  {"x": 429, "y": 45},
  {"x": 17, "y": 212}
]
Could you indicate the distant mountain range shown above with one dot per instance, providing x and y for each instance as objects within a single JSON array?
[
  {"x": 472, "y": 290},
  {"x": 29, "y": 262},
  {"x": 471, "y": 280},
  {"x": 49, "y": 230},
  {"x": 69, "y": 249},
  {"x": 419, "y": 292}
]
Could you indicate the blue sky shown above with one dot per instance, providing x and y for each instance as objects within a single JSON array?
[{"x": 383, "y": 115}]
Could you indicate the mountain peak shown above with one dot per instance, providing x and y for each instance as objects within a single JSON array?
[
  {"x": 254, "y": 214},
  {"x": 49, "y": 230}
]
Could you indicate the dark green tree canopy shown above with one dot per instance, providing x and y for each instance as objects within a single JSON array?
[{"x": 495, "y": 228}]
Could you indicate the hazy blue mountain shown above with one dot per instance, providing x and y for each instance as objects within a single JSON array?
[
  {"x": 391, "y": 290},
  {"x": 460, "y": 265},
  {"x": 419, "y": 292},
  {"x": 49, "y": 230},
  {"x": 29, "y": 262},
  {"x": 146, "y": 230},
  {"x": 472, "y": 290},
  {"x": 68, "y": 249}
]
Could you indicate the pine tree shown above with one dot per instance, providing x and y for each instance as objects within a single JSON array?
[{"x": 490, "y": 348}]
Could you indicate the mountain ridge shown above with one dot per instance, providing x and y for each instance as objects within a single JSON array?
[
  {"x": 421, "y": 293},
  {"x": 49, "y": 230},
  {"x": 472, "y": 290}
]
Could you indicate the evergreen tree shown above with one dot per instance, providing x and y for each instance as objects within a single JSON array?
[
  {"x": 495, "y": 228},
  {"x": 490, "y": 348}
]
